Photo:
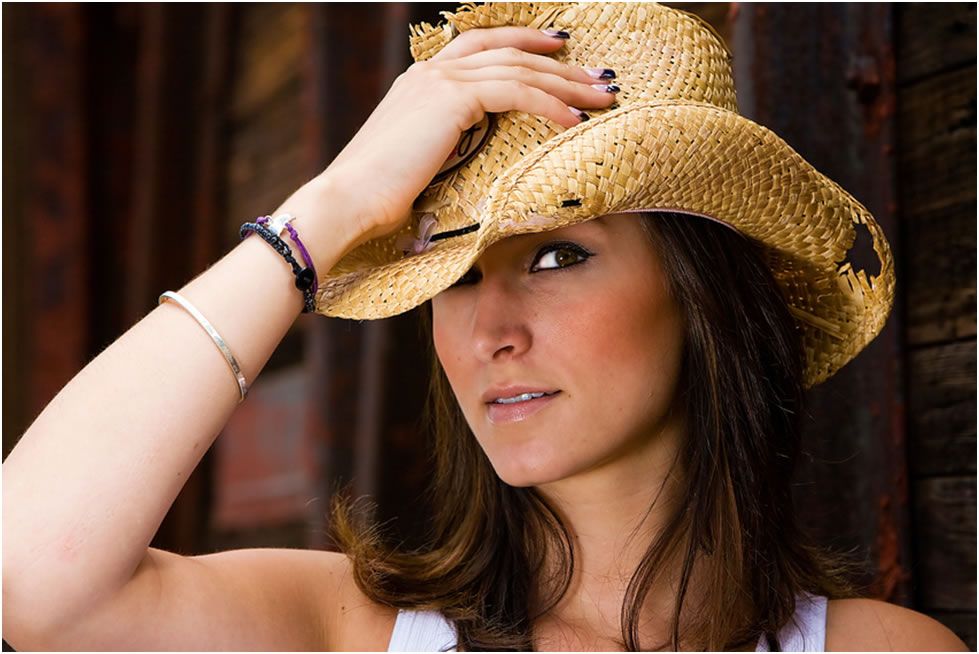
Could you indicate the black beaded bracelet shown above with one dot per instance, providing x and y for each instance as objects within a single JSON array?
[{"x": 304, "y": 276}]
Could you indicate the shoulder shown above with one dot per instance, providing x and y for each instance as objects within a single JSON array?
[
  {"x": 874, "y": 625},
  {"x": 352, "y": 621}
]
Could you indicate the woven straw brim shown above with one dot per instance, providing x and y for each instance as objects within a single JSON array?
[{"x": 661, "y": 155}]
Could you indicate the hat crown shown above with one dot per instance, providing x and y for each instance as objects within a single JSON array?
[
  {"x": 657, "y": 52},
  {"x": 673, "y": 141}
]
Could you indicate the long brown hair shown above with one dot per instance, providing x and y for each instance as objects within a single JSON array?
[{"x": 741, "y": 388}]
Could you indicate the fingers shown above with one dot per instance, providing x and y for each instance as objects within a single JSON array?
[
  {"x": 577, "y": 94},
  {"x": 491, "y": 38},
  {"x": 510, "y": 56},
  {"x": 497, "y": 96},
  {"x": 507, "y": 68}
]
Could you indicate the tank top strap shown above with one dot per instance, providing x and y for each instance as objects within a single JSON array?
[
  {"x": 422, "y": 631},
  {"x": 806, "y": 629}
]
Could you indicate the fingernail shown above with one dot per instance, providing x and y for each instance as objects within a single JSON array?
[
  {"x": 558, "y": 34},
  {"x": 608, "y": 88},
  {"x": 601, "y": 73},
  {"x": 579, "y": 113}
]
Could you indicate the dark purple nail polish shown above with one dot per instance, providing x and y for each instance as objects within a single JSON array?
[
  {"x": 558, "y": 34},
  {"x": 600, "y": 73}
]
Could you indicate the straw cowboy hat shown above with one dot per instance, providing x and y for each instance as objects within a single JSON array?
[{"x": 673, "y": 141}]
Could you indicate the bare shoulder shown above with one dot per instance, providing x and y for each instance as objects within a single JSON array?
[
  {"x": 873, "y": 625},
  {"x": 353, "y": 621}
]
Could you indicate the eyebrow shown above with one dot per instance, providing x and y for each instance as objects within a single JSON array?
[{"x": 598, "y": 220}]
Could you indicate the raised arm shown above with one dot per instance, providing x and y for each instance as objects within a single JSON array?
[{"x": 90, "y": 481}]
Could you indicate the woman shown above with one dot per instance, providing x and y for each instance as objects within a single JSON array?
[{"x": 652, "y": 479}]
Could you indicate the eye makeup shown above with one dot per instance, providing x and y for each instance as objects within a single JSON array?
[
  {"x": 581, "y": 252},
  {"x": 560, "y": 246}
]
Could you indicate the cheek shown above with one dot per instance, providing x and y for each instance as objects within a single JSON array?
[
  {"x": 578, "y": 332},
  {"x": 445, "y": 349},
  {"x": 451, "y": 350},
  {"x": 626, "y": 351}
]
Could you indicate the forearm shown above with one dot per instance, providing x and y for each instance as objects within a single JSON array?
[{"x": 88, "y": 484}]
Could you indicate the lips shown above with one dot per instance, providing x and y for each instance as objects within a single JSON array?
[
  {"x": 513, "y": 390},
  {"x": 507, "y": 413}
]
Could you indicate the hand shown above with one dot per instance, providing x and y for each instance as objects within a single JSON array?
[{"x": 413, "y": 130}]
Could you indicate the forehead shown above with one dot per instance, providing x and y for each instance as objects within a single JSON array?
[{"x": 597, "y": 225}]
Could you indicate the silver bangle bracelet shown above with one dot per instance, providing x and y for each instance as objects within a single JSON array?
[{"x": 213, "y": 333}]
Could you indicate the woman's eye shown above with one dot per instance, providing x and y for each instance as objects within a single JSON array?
[{"x": 565, "y": 255}]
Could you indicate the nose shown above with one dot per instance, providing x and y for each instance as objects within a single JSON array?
[{"x": 500, "y": 328}]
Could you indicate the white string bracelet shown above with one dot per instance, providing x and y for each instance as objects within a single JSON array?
[{"x": 213, "y": 333}]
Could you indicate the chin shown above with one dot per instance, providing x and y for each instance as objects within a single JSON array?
[
  {"x": 520, "y": 479},
  {"x": 521, "y": 468}
]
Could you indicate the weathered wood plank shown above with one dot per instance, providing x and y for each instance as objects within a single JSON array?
[
  {"x": 940, "y": 106},
  {"x": 267, "y": 157},
  {"x": 266, "y": 18},
  {"x": 269, "y": 133},
  {"x": 261, "y": 168},
  {"x": 937, "y": 147},
  {"x": 937, "y": 166},
  {"x": 272, "y": 179},
  {"x": 930, "y": 41},
  {"x": 213, "y": 147},
  {"x": 56, "y": 220},
  {"x": 945, "y": 511},
  {"x": 18, "y": 151},
  {"x": 943, "y": 409},
  {"x": 260, "y": 475},
  {"x": 940, "y": 277},
  {"x": 275, "y": 126},
  {"x": 937, "y": 163},
  {"x": 269, "y": 56}
]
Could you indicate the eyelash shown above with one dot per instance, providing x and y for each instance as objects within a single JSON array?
[{"x": 547, "y": 249}]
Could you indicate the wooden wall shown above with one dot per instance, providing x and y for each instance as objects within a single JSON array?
[
  {"x": 936, "y": 73},
  {"x": 821, "y": 76},
  {"x": 357, "y": 388},
  {"x": 138, "y": 117},
  {"x": 264, "y": 461}
]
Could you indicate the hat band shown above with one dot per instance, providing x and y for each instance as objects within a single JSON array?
[{"x": 455, "y": 232}]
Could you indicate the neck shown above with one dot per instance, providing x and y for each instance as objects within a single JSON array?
[{"x": 614, "y": 513}]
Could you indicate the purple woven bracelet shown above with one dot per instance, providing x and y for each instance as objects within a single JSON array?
[{"x": 295, "y": 237}]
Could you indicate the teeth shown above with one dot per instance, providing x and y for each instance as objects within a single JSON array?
[{"x": 519, "y": 398}]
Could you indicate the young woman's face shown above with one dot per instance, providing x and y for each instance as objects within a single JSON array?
[{"x": 583, "y": 310}]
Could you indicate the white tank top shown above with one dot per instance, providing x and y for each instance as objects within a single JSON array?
[{"x": 429, "y": 631}]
